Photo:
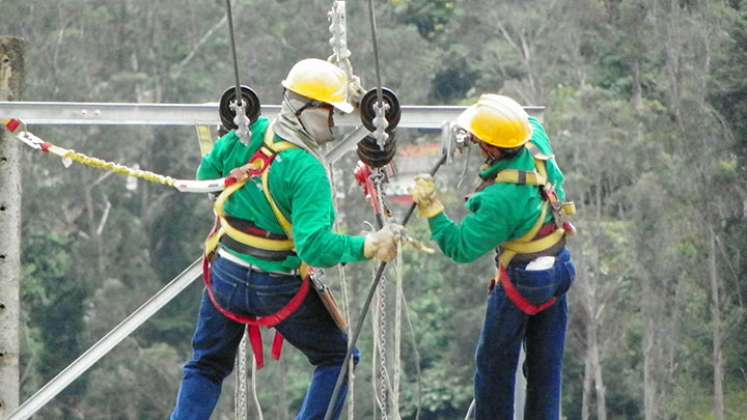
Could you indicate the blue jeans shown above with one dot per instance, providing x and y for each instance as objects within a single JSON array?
[
  {"x": 504, "y": 331},
  {"x": 216, "y": 339}
]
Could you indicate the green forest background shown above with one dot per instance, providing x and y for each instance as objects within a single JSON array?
[{"x": 647, "y": 110}]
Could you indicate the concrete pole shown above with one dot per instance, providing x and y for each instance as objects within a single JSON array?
[{"x": 11, "y": 84}]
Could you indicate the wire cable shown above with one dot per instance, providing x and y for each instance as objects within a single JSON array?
[
  {"x": 364, "y": 311},
  {"x": 233, "y": 51}
]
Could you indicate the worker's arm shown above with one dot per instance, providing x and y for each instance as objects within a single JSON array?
[
  {"x": 313, "y": 218},
  {"x": 489, "y": 223}
]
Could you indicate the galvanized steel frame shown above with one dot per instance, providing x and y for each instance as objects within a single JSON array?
[{"x": 82, "y": 113}]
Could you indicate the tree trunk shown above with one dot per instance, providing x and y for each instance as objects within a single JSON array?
[
  {"x": 594, "y": 316},
  {"x": 586, "y": 397},
  {"x": 11, "y": 86},
  {"x": 649, "y": 382},
  {"x": 598, "y": 381},
  {"x": 718, "y": 357}
]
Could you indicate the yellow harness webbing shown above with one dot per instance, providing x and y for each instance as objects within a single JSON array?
[
  {"x": 245, "y": 173},
  {"x": 527, "y": 244}
]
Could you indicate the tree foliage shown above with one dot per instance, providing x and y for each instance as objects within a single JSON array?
[{"x": 647, "y": 109}]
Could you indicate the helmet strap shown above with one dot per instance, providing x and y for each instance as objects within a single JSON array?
[{"x": 492, "y": 153}]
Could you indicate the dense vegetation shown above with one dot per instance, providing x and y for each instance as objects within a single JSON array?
[{"x": 647, "y": 108}]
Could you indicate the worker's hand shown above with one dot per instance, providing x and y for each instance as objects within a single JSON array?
[
  {"x": 382, "y": 245},
  {"x": 424, "y": 195}
]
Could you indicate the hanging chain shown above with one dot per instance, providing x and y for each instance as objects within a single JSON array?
[
  {"x": 241, "y": 374},
  {"x": 397, "y": 352},
  {"x": 340, "y": 52},
  {"x": 339, "y": 41},
  {"x": 383, "y": 375}
]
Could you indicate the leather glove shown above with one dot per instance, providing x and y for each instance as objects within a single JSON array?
[
  {"x": 382, "y": 245},
  {"x": 424, "y": 196}
]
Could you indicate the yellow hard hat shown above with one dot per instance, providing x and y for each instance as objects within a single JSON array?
[
  {"x": 497, "y": 120},
  {"x": 321, "y": 81}
]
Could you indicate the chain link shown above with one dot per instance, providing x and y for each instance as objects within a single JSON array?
[
  {"x": 241, "y": 389},
  {"x": 383, "y": 375}
]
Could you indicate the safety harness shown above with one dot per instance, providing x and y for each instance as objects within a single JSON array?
[
  {"x": 244, "y": 237},
  {"x": 542, "y": 239}
]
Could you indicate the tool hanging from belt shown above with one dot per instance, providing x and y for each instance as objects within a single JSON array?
[
  {"x": 542, "y": 239},
  {"x": 254, "y": 239}
]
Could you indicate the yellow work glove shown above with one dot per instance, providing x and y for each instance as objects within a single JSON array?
[
  {"x": 382, "y": 245},
  {"x": 424, "y": 195}
]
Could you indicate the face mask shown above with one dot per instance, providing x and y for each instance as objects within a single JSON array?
[{"x": 318, "y": 124}]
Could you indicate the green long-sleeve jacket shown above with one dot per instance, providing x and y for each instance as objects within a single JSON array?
[
  {"x": 301, "y": 188},
  {"x": 501, "y": 212}
]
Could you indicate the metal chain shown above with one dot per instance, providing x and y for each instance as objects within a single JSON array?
[
  {"x": 338, "y": 41},
  {"x": 241, "y": 389},
  {"x": 383, "y": 376},
  {"x": 340, "y": 52}
]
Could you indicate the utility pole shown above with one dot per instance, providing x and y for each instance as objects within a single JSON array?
[{"x": 11, "y": 85}]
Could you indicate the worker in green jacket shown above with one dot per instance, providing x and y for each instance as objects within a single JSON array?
[
  {"x": 519, "y": 211},
  {"x": 274, "y": 223}
]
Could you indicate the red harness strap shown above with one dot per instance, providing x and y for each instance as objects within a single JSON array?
[
  {"x": 516, "y": 297},
  {"x": 259, "y": 163},
  {"x": 254, "y": 323}
]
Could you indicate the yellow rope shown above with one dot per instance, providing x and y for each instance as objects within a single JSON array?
[{"x": 118, "y": 169}]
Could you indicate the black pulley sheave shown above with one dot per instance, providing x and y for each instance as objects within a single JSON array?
[
  {"x": 368, "y": 110},
  {"x": 251, "y": 103},
  {"x": 370, "y": 153}
]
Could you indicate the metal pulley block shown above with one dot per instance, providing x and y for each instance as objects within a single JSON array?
[
  {"x": 392, "y": 112},
  {"x": 370, "y": 153},
  {"x": 228, "y": 102}
]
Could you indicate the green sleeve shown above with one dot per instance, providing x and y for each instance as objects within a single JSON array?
[
  {"x": 211, "y": 166},
  {"x": 313, "y": 219},
  {"x": 480, "y": 232},
  {"x": 229, "y": 152}
]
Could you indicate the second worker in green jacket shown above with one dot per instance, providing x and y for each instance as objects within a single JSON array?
[{"x": 519, "y": 211}]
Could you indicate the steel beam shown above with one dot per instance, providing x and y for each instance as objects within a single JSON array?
[
  {"x": 81, "y": 113},
  {"x": 108, "y": 342}
]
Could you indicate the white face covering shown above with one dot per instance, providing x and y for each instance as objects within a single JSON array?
[
  {"x": 308, "y": 130},
  {"x": 318, "y": 124}
]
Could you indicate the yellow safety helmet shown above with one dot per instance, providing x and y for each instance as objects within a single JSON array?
[
  {"x": 321, "y": 81},
  {"x": 497, "y": 120}
]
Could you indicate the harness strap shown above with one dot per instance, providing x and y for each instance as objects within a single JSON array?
[
  {"x": 532, "y": 242},
  {"x": 254, "y": 323},
  {"x": 259, "y": 165},
  {"x": 520, "y": 301},
  {"x": 515, "y": 176}
]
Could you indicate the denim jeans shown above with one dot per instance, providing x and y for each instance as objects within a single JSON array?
[
  {"x": 506, "y": 328},
  {"x": 216, "y": 339}
]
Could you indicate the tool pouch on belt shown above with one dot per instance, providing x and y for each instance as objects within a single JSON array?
[{"x": 329, "y": 301}]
